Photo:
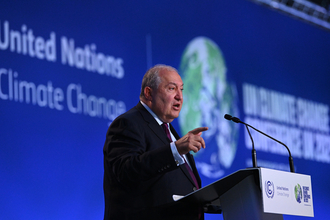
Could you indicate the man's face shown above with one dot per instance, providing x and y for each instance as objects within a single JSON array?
[{"x": 167, "y": 99}]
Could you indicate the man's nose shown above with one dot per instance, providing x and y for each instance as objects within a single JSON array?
[{"x": 179, "y": 95}]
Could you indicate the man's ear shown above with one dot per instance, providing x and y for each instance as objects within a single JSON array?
[{"x": 147, "y": 93}]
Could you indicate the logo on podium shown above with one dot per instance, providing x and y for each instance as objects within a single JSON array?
[
  {"x": 269, "y": 189},
  {"x": 298, "y": 193}
]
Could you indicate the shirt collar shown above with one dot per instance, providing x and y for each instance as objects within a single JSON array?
[{"x": 160, "y": 122}]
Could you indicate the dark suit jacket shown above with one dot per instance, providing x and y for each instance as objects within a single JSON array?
[{"x": 140, "y": 174}]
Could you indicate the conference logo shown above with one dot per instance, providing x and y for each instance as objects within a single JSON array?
[
  {"x": 269, "y": 189},
  {"x": 208, "y": 95},
  {"x": 298, "y": 193}
]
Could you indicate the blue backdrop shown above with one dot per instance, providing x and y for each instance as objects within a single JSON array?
[{"x": 68, "y": 68}]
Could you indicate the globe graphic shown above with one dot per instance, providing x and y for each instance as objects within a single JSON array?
[{"x": 207, "y": 97}]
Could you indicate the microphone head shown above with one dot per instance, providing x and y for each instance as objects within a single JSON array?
[
  {"x": 228, "y": 117},
  {"x": 234, "y": 119}
]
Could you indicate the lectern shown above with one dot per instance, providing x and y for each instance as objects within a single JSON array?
[{"x": 256, "y": 193}]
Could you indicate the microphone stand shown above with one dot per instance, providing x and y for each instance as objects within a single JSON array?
[
  {"x": 254, "y": 152},
  {"x": 237, "y": 120}
]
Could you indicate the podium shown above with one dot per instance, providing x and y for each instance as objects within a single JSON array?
[{"x": 256, "y": 194}]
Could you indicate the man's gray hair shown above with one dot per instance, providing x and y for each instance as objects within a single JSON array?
[{"x": 151, "y": 77}]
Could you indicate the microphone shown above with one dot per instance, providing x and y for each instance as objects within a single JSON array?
[
  {"x": 237, "y": 120},
  {"x": 254, "y": 153}
]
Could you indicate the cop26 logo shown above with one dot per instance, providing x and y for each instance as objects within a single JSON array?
[
  {"x": 298, "y": 193},
  {"x": 269, "y": 189}
]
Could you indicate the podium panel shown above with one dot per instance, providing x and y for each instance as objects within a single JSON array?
[{"x": 286, "y": 193}]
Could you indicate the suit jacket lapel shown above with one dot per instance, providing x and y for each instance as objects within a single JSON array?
[
  {"x": 152, "y": 123},
  {"x": 194, "y": 169},
  {"x": 158, "y": 130}
]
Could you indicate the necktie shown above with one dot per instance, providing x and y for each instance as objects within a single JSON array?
[{"x": 165, "y": 127}]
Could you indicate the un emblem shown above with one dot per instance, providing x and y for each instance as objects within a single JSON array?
[{"x": 269, "y": 189}]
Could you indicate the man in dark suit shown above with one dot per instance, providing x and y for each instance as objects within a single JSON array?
[{"x": 146, "y": 163}]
